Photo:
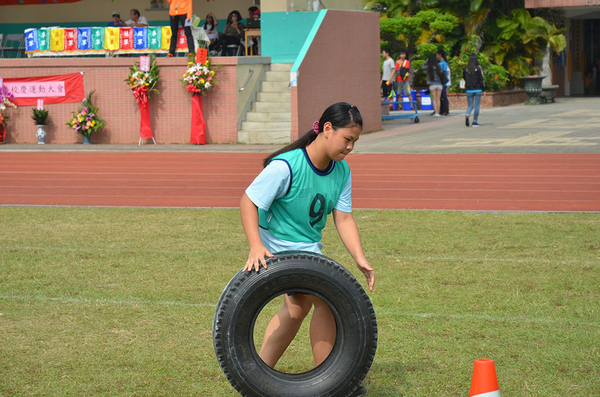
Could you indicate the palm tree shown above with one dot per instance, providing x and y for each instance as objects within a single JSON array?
[{"x": 552, "y": 40}]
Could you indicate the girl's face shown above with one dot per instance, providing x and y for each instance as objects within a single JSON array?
[
  {"x": 209, "y": 20},
  {"x": 340, "y": 142},
  {"x": 233, "y": 17}
]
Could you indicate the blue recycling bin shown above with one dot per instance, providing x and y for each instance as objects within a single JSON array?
[
  {"x": 426, "y": 103},
  {"x": 406, "y": 98}
]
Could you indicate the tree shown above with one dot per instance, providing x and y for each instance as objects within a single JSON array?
[{"x": 552, "y": 40}]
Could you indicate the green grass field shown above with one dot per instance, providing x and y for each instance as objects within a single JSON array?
[{"x": 120, "y": 302}]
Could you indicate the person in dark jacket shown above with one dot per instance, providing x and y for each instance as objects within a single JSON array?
[{"x": 474, "y": 86}]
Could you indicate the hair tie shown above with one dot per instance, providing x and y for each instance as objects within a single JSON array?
[{"x": 316, "y": 127}]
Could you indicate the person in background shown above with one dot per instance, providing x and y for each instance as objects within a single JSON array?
[
  {"x": 443, "y": 62},
  {"x": 211, "y": 28},
  {"x": 402, "y": 75},
  {"x": 135, "y": 20},
  {"x": 388, "y": 69},
  {"x": 254, "y": 15},
  {"x": 180, "y": 12},
  {"x": 474, "y": 86},
  {"x": 588, "y": 83},
  {"x": 434, "y": 81},
  {"x": 116, "y": 22},
  {"x": 251, "y": 11},
  {"x": 233, "y": 32}
]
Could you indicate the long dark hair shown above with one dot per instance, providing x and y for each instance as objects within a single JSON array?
[
  {"x": 213, "y": 22},
  {"x": 473, "y": 64},
  {"x": 236, "y": 12},
  {"x": 340, "y": 115},
  {"x": 432, "y": 64},
  {"x": 443, "y": 55}
]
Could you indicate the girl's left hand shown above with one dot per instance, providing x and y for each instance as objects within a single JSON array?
[{"x": 368, "y": 272}]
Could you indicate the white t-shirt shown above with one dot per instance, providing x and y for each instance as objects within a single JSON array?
[
  {"x": 141, "y": 20},
  {"x": 272, "y": 183},
  {"x": 212, "y": 33}
]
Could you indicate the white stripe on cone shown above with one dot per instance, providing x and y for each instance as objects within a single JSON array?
[{"x": 495, "y": 393}]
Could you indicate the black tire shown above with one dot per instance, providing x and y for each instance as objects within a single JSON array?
[
  {"x": 416, "y": 120},
  {"x": 246, "y": 295}
]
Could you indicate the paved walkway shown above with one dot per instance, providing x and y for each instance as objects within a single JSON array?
[{"x": 571, "y": 125}]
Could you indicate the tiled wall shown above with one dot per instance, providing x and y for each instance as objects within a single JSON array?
[
  {"x": 170, "y": 111},
  {"x": 342, "y": 64}
]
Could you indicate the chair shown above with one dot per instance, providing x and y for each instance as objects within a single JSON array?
[
  {"x": 13, "y": 42},
  {"x": 234, "y": 50}
]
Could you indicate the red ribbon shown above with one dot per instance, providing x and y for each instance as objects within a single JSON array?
[
  {"x": 141, "y": 95},
  {"x": 198, "y": 135}
]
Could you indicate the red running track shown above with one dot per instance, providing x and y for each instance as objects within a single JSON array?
[{"x": 484, "y": 182}]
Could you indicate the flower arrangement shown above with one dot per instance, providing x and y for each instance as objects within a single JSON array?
[
  {"x": 199, "y": 78},
  {"x": 40, "y": 116},
  {"x": 86, "y": 120},
  {"x": 6, "y": 98},
  {"x": 142, "y": 83}
]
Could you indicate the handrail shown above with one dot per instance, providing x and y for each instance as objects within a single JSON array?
[{"x": 247, "y": 81}]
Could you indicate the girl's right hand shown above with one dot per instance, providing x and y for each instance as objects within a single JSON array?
[{"x": 256, "y": 257}]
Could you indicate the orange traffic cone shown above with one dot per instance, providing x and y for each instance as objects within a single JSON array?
[{"x": 484, "y": 383}]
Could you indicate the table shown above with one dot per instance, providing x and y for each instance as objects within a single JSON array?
[{"x": 250, "y": 32}]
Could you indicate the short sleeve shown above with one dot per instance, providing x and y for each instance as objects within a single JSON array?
[
  {"x": 143, "y": 20},
  {"x": 272, "y": 183},
  {"x": 344, "y": 202}
]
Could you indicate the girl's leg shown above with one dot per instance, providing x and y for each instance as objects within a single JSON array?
[
  {"x": 322, "y": 330},
  {"x": 283, "y": 327},
  {"x": 477, "y": 100},
  {"x": 469, "y": 103},
  {"x": 435, "y": 97}
]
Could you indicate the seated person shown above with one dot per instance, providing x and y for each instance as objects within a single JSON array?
[
  {"x": 233, "y": 32},
  {"x": 135, "y": 20},
  {"x": 211, "y": 28},
  {"x": 254, "y": 15},
  {"x": 251, "y": 11},
  {"x": 116, "y": 22}
]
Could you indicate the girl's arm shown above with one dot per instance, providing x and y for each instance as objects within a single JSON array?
[
  {"x": 258, "y": 251},
  {"x": 346, "y": 228}
]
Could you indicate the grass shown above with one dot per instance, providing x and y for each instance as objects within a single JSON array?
[{"x": 120, "y": 301}]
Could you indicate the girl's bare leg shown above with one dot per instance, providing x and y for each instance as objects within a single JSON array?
[
  {"x": 436, "y": 95},
  {"x": 283, "y": 327},
  {"x": 322, "y": 330}
]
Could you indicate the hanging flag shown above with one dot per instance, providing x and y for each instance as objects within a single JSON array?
[
  {"x": 57, "y": 39},
  {"x": 111, "y": 39},
  {"x": 31, "y": 40},
  {"x": 70, "y": 39},
  {"x": 44, "y": 39},
  {"x": 165, "y": 39},
  {"x": 98, "y": 39},
  {"x": 140, "y": 37},
  {"x": 84, "y": 39},
  {"x": 181, "y": 39},
  {"x": 52, "y": 89},
  {"x": 154, "y": 34},
  {"x": 126, "y": 39}
]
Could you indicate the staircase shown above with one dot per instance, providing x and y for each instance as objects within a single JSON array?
[{"x": 270, "y": 119}]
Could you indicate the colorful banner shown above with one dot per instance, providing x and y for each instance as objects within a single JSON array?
[
  {"x": 181, "y": 39},
  {"x": 44, "y": 39},
  {"x": 57, "y": 39},
  {"x": 84, "y": 39},
  {"x": 126, "y": 39},
  {"x": 70, "y": 39},
  {"x": 154, "y": 34},
  {"x": 140, "y": 35},
  {"x": 53, "y": 89},
  {"x": 165, "y": 37},
  {"x": 111, "y": 38},
  {"x": 98, "y": 39},
  {"x": 31, "y": 40}
]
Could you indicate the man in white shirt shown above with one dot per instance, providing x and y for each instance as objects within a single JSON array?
[
  {"x": 136, "y": 20},
  {"x": 387, "y": 73}
]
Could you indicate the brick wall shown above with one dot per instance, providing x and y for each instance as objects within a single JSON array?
[
  {"x": 170, "y": 111},
  {"x": 488, "y": 99},
  {"x": 342, "y": 64}
]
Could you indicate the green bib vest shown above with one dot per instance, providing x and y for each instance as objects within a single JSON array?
[{"x": 300, "y": 215}]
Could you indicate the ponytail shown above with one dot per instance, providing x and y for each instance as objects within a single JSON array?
[{"x": 340, "y": 115}]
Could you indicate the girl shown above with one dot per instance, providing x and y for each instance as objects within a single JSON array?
[
  {"x": 233, "y": 32},
  {"x": 474, "y": 86},
  {"x": 286, "y": 207},
  {"x": 434, "y": 81},
  {"x": 211, "y": 28}
]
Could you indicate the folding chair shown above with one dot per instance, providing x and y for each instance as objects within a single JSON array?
[{"x": 236, "y": 48}]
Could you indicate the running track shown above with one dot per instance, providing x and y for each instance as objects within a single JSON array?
[{"x": 478, "y": 182}]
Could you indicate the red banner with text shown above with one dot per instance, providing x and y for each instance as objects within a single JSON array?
[{"x": 52, "y": 89}]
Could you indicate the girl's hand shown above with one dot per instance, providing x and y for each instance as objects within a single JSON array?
[
  {"x": 368, "y": 272},
  {"x": 256, "y": 257}
]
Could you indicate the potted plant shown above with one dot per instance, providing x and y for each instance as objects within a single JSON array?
[
  {"x": 5, "y": 100},
  {"x": 86, "y": 120},
  {"x": 40, "y": 117}
]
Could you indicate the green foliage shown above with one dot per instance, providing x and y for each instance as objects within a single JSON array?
[{"x": 40, "y": 116}]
